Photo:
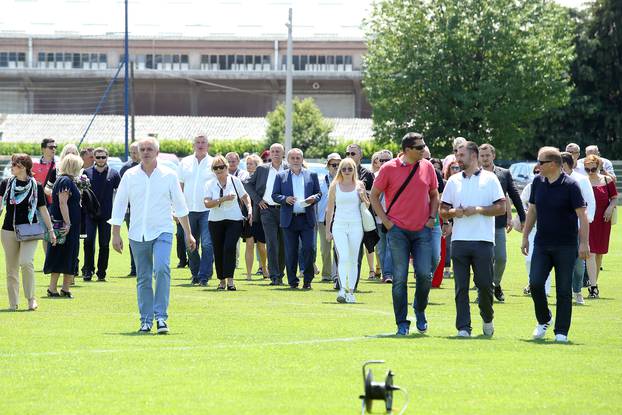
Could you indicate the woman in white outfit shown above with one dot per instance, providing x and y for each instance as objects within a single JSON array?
[{"x": 345, "y": 195}]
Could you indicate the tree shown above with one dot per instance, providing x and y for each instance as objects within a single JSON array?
[
  {"x": 310, "y": 130},
  {"x": 482, "y": 69}
]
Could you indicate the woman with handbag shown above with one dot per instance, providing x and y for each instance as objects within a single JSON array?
[
  {"x": 230, "y": 210},
  {"x": 345, "y": 196},
  {"x": 24, "y": 200},
  {"x": 66, "y": 212},
  {"x": 606, "y": 196}
]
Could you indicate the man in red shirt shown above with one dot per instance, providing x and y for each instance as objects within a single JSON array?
[
  {"x": 45, "y": 170},
  {"x": 409, "y": 221}
]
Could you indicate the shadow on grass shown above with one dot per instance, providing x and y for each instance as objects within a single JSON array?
[
  {"x": 478, "y": 337},
  {"x": 140, "y": 334},
  {"x": 411, "y": 336},
  {"x": 550, "y": 342},
  {"x": 345, "y": 304}
]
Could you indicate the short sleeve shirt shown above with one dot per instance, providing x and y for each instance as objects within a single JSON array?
[
  {"x": 555, "y": 206},
  {"x": 229, "y": 210},
  {"x": 480, "y": 189},
  {"x": 412, "y": 209},
  {"x": 21, "y": 210}
]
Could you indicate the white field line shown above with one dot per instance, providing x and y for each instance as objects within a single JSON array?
[{"x": 183, "y": 348}]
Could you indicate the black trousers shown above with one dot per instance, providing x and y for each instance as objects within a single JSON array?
[
  {"x": 225, "y": 235},
  {"x": 101, "y": 230},
  {"x": 479, "y": 255},
  {"x": 181, "y": 245}
]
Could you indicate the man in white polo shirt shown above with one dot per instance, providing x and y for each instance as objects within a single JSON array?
[
  {"x": 472, "y": 199},
  {"x": 194, "y": 171}
]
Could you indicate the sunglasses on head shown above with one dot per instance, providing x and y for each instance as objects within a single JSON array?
[
  {"x": 347, "y": 169},
  {"x": 350, "y": 153},
  {"x": 101, "y": 157},
  {"x": 333, "y": 165},
  {"x": 417, "y": 147},
  {"x": 219, "y": 167},
  {"x": 591, "y": 169}
]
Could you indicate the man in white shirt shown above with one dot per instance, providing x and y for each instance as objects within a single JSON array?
[
  {"x": 233, "y": 159},
  {"x": 472, "y": 199},
  {"x": 259, "y": 187},
  {"x": 154, "y": 193},
  {"x": 194, "y": 172},
  {"x": 568, "y": 163}
]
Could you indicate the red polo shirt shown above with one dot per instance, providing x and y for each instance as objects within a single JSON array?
[{"x": 412, "y": 209}]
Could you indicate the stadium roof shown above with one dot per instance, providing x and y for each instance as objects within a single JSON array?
[
  {"x": 214, "y": 19},
  {"x": 110, "y": 128}
]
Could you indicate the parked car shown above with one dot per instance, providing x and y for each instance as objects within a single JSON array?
[{"x": 522, "y": 173}]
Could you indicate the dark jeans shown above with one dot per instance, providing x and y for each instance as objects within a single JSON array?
[
  {"x": 92, "y": 228},
  {"x": 404, "y": 243},
  {"x": 563, "y": 259},
  {"x": 274, "y": 242},
  {"x": 225, "y": 235},
  {"x": 479, "y": 256},
  {"x": 181, "y": 245},
  {"x": 132, "y": 264},
  {"x": 201, "y": 266},
  {"x": 299, "y": 231}
]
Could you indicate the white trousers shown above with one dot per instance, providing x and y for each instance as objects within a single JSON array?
[{"x": 347, "y": 237}]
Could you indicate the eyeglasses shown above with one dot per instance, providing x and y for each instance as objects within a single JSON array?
[
  {"x": 542, "y": 162},
  {"x": 591, "y": 170},
  {"x": 384, "y": 160},
  {"x": 417, "y": 147},
  {"x": 347, "y": 169},
  {"x": 219, "y": 167},
  {"x": 101, "y": 157},
  {"x": 455, "y": 168},
  {"x": 350, "y": 153},
  {"x": 333, "y": 165}
]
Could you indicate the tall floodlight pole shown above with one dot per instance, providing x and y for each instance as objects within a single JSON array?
[
  {"x": 289, "y": 86},
  {"x": 126, "y": 83}
]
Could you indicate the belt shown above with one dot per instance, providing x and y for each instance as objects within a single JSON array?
[
  {"x": 275, "y": 206},
  {"x": 299, "y": 214}
]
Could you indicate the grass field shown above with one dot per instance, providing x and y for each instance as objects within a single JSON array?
[{"x": 267, "y": 350}]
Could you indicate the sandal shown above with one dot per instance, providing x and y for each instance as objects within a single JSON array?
[
  {"x": 53, "y": 294},
  {"x": 231, "y": 288},
  {"x": 372, "y": 275}
]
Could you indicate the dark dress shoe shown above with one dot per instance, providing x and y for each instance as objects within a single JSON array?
[
  {"x": 306, "y": 286},
  {"x": 182, "y": 264},
  {"x": 293, "y": 286},
  {"x": 52, "y": 294},
  {"x": 66, "y": 294}
]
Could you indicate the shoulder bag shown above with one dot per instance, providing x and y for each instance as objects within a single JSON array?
[
  {"x": 399, "y": 193},
  {"x": 614, "y": 214},
  {"x": 27, "y": 231},
  {"x": 246, "y": 225}
]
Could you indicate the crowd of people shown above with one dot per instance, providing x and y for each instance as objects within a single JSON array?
[{"x": 449, "y": 216}]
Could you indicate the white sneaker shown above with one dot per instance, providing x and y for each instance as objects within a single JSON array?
[
  {"x": 341, "y": 297},
  {"x": 561, "y": 338},
  {"x": 350, "y": 298},
  {"x": 162, "y": 327},
  {"x": 578, "y": 298},
  {"x": 463, "y": 333},
  {"x": 540, "y": 329},
  {"x": 488, "y": 329}
]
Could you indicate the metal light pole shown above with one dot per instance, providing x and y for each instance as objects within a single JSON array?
[
  {"x": 289, "y": 86},
  {"x": 126, "y": 84}
]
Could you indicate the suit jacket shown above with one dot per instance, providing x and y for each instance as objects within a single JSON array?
[
  {"x": 283, "y": 188},
  {"x": 507, "y": 184}
]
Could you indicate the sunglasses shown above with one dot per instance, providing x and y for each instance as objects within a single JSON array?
[
  {"x": 219, "y": 167},
  {"x": 350, "y": 153},
  {"x": 333, "y": 165},
  {"x": 541, "y": 162},
  {"x": 417, "y": 147},
  {"x": 455, "y": 168},
  {"x": 101, "y": 157},
  {"x": 52, "y": 147},
  {"x": 347, "y": 169},
  {"x": 16, "y": 164},
  {"x": 384, "y": 160},
  {"x": 591, "y": 170}
]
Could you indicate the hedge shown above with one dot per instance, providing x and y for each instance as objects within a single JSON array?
[{"x": 184, "y": 147}]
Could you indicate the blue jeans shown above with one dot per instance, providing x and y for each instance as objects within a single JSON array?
[
  {"x": 403, "y": 244},
  {"x": 437, "y": 234},
  {"x": 152, "y": 260},
  {"x": 201, "y": 266},
  {"x": 384, "y": 254},
  {"x": 563, "y": 259}
]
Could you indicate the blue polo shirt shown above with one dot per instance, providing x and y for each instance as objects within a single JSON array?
[
  {"x": 103, "y": 185},
  {"x": 555, "y": 206}
]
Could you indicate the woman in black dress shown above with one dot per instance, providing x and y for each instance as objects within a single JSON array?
[{"x": 62, "y": 258}]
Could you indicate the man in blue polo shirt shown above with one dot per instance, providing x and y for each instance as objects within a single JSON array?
[{"x": 556, "y": 203}]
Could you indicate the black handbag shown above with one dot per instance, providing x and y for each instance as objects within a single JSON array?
[
  {"x": 247, "y": 230},
  {"x": 399, "y": 193}
]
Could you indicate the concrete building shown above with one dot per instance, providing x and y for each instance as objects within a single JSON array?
[{"x": 196, "y": 58}]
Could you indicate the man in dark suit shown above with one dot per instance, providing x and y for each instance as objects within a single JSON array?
[
  {"x": 297, "y": 190},
  {"x": 259, "y": 186}
]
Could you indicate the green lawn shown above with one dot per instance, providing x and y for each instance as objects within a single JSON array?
[{"x": 265, "y": 350}]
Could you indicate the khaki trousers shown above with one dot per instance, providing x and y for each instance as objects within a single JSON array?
[
  {"x": 329, "y": 268},
  {"x": 19, "y": 255}
]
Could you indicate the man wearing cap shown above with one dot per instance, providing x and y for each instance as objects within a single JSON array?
[{"x": 329, "y": 267}]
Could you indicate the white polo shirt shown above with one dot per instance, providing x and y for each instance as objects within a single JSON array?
[
  {"x": 194, "y": 176},
  {"x": 154, "y": 200},
  {"x": 480, "y": 189}
]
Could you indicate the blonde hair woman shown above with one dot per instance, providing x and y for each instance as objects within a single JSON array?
[
  {"x": 65, "y": 211},
  {"x": 257, "y": 234},
  {"x": 345, "y": 226}
]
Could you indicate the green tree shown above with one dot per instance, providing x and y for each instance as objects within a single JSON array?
[
  {"x": 310, "y": 129},
  {"x": 482, "y": 69}
]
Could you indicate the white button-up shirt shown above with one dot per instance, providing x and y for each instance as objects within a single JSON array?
[
  {"x": 194, "y": 176},
  {"x": 298, "y": 186},
  {"x": 272, "y": 172},
  {"x": 153, "y": 198}
]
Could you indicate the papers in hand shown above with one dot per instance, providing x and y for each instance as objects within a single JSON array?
[{"x": 302, "y": 204}]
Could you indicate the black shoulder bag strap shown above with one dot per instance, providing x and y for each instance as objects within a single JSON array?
[{"x": 401, "y": 189}]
